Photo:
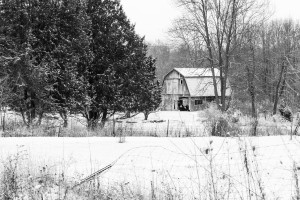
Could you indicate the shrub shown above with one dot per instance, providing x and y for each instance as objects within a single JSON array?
[
  {"x": 223, "y": 123},
  {"x": 218, "y": 121}
]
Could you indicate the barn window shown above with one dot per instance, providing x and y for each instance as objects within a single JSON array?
[
  {"x": 198, "y": 102},
  {"x": 181, "y": 81},
  {"x": 210, "y": 99}
]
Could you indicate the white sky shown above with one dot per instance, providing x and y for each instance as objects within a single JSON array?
[{"x": 153, "y": 18}]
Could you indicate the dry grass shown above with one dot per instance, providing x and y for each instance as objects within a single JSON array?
[
  {"x": 230, "y": 124},
  {"x": 21, "y": 180}
]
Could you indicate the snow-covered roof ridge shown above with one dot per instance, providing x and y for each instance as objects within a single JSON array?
[{"x": 197, "y": 72}]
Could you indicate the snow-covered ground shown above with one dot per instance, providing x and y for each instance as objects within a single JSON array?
[
  {"x": 161, "y": 124},
  {"x": 182, "y": 124},
  {"x": 165, "y": 123},
  {"x": 237, "y": 167}
]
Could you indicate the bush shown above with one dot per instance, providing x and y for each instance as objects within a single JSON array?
[
  {"x": 222, "y": 123},
  {"x": 218, "y": 121}
]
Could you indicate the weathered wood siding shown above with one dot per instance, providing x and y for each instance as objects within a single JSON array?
[
  {"x": 174, "y": 83},
  {"x": 174, "y": 87},
  {"x": 199, "y": 106}
]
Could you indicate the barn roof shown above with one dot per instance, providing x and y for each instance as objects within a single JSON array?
[
  {"x": 196, "y": 72},
  {"x": 203, "y": 86}
]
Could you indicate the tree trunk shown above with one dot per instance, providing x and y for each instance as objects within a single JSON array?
[
  {"x": 104, "y": 117},
  {"x": 114, "y": 127},
  {"x": 63, "y": 114},
  {"x": 210, "y": 53},
  {"x": 230, "y": 34},
  {"x": 146, "y": 114},
  {"x": 24, "y": 118},
  {"x": 251, "y": 90},
  {"x": 3, "y": 121},
  {"x": 29, "y": 113},
  {"x": 127, "y": 114},
  {"x": 283, "y": 85},
  {"x": 276, "y": 99},
  {"x": 253, "y": 109},
  {"x": 254, "y": 126},
  {"x": 40, "y": 117},
  {"x": 92, "y": 119},
  {"x": 251, "y": 71},
  {"x": 253, "y": 106}
]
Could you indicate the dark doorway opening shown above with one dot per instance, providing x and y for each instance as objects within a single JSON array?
[{"x": 182, "y": 107}]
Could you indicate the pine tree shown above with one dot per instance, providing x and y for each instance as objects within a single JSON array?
[
  {"x": 71, "y": 54},
  {"x": 149, "y": 97},
  {"x": 115, "y": 46},
  {"x": 46, "y": 44},
  {"x": 16, "y": 57}
]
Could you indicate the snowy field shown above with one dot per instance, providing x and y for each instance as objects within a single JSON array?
[
  {"x": 162, "y": 124},
  {"x": 238, "y": 167},
  {"x": 265, "y": 167}
]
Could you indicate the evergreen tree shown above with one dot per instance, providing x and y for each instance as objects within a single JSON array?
[
  {"x": 74, "y": 57},
  {"x": 46, "y": 43},
  {"x": 149, "y": 97},
  {"x": 16, "y": 57},
  {"x": 71, "y": 54},
  {"x": 118, "y": 56}
]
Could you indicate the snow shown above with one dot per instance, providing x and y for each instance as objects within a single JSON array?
[
  {"x": 173, "y": 123},
  {"x": 196, "y": 72},
  {"x": 162, "y": 123},
  {"x": 184, "y": 162},
  {"x": 235, "y": 166}
]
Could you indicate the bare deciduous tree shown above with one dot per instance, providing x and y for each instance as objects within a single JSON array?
[{"x": 219, "y": 26}]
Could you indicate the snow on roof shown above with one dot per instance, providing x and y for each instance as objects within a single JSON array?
[
  {"x": 196, "y": 72},
  {"x": 203, "y": 86}
]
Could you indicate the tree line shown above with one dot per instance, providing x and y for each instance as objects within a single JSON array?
[{"x": 71, "y": 57}]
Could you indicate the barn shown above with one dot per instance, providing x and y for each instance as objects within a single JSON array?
[{"x": 189, "y": 88}]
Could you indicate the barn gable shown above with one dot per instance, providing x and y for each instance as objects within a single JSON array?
[{"x": 174, "y": 83}]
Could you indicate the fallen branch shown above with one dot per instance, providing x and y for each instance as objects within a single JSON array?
[{"x": 93, "y": 175}]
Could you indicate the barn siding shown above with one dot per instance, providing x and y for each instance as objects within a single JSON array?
[
  {"x": 174, "y": 83},
  {"x": 197, "y": 107},
  {"x": 170, "y": 102},
  {"x": 174, "y": 87}
]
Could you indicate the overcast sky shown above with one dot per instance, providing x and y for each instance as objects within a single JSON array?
[{"x": 153, "y": 18}]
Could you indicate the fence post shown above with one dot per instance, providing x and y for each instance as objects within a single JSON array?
[
  {"x": 291, "y": 133},
  {"x": 168, "y": 129},
  {"x": 3, "y": 121},
  {"x": 114, "y": 125}
]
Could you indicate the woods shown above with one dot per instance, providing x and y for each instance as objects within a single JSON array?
[
  {"x": 73, "y": 57},
  {"x": 84, "y": 57},
  {"x": 257, "y": 56}
]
